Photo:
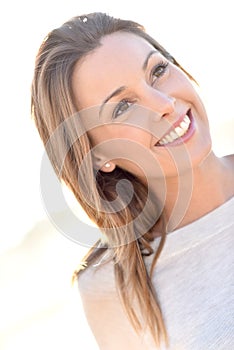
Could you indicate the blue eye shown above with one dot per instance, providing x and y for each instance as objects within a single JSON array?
[
  {"x": 121, "y": 107},
  {"x": 159, "y": 70}
]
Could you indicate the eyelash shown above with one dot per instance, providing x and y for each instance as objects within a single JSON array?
[
  {"x": 162, "y": 66},
  {"x": 119, "y": 105}
]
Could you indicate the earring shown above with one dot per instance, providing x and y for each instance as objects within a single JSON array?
[{"x": 107, "y": 165}]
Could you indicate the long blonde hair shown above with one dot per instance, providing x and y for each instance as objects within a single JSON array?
[{"x": 52, "y": 104}]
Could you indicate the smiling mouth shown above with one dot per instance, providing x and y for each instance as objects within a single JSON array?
[{"x": 176, "y": 134}]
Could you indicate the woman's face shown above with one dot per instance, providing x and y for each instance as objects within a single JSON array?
[{"x": 140, "y": 110}]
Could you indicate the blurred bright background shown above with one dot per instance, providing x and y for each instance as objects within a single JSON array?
[{"x": 38, "y": 307}]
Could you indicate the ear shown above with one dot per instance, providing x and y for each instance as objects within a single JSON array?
[
  {"x": 108, "y": 167},
  {"x": 100, "y": 163}
]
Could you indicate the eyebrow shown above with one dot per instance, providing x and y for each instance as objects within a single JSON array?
[
  {"x": 114, "y": 93},
  {"x": 145, "y": 64},
  {"x": 122, "y": 88}
]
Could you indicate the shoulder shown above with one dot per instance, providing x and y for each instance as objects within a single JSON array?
[
  {"x": 103, "y": 309},
  {"x": 97, "y": 280},
  {"x": 228, "y": 163},
  {"x": 229, "y": 160},
  {"x": 230, "y": 156}
]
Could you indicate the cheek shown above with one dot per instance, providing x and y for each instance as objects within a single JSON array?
[
  {"x": 118, "y": 132},
  {"x": 181, "y": 83},
  {"x": 95, "y": 137},
  {"x": 185, "y": 88},
  {"x": 127, "y": 147}
]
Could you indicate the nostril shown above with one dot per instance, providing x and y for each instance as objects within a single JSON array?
[{"x": 165, "y": 115}]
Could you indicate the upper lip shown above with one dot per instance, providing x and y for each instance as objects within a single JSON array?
[{"x": 175, "y": 124}]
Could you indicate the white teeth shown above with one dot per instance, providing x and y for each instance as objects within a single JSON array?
[
  {"x": 183, "y": 125},
  {"x": 177, "y": 132},
  {"x": 169, "y": 138},
  {"x": 174, "y": 135}
]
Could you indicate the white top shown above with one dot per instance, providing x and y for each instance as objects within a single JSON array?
[{"x": 194, "y": 279}]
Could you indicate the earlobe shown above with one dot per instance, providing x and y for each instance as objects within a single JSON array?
[
  {"x": 100, "y": 164},
  {"x": 108, "y": 167}
]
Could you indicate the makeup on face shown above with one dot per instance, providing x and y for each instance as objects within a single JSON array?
[{"x": 139, "y": 95}]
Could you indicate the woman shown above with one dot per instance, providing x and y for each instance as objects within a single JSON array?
[{"x": 139, "y": 160}]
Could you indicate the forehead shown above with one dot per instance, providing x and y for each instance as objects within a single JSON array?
[{"x": 115, "y": 63}]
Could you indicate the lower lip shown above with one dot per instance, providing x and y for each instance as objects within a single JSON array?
[{"x": 185, "y": 138}]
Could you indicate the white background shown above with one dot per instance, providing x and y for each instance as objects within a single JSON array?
[{"x": 36, "y": 261}]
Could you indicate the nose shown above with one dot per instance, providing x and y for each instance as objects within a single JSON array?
[{"x": 161, "y": 103}]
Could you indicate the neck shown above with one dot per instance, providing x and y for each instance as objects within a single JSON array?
[{"x": 197, "y": 192}]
